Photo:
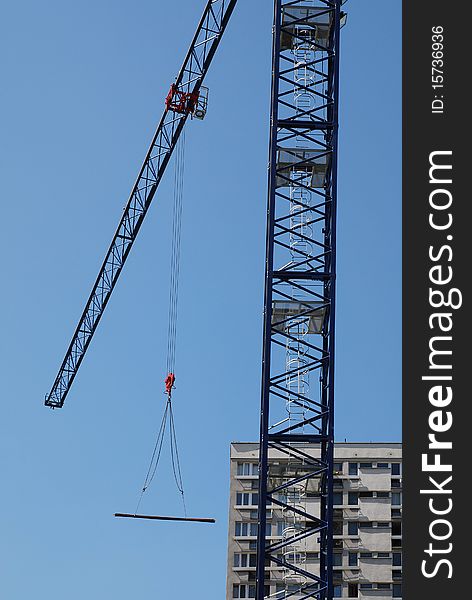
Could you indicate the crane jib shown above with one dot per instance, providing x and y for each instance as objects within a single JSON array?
[{"x": 188, "y": 83}]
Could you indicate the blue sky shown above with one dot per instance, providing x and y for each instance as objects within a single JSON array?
[{"x": 83, "y": 89}]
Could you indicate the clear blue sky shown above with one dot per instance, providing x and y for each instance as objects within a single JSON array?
[{"x": 82, "y": 90}]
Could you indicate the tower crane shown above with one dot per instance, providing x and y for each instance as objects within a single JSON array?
[{"x": 297, "y": 392}]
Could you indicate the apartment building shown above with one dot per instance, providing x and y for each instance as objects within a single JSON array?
[{"x": 367, "y": 523}]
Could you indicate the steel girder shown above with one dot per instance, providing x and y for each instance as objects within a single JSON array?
[
  {"x": 299, "y": 285},
  {"x": 191, "y": 75}
]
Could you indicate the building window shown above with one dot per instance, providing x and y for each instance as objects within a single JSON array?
[
  {"x": 352, "y": 590},
  {"x": 383, "y": 524},
  {"x": 366, "y": 494},
  {"x": 366, "y": 586},
  {"x": 365, "y": 524},
  {"x": 243, "y": 529},
  {"x": 396, "y": 513},
  {"x": 244, "y": 591},
  {"x": 383, "y": 586},
  {"x": 337, "y": 559},
  {"x": 353, "y": 498},
  {"x": 337, "y": 483},
  {"x": 396, "y": 498},
  {"x": 282, "y": 525},
  {"x": 365, "y": 465},
  {"x": 396, "y": 575},
  {"x": 396, "y": 528},
  {"x": 397, "y": 590},
  {"x": 383, "y": 554},
  {"x": 337, "y": 527},
  {"x": 289, "y": 497},
  {"x": 246, "y": 469},
  {"x": 396, "y": 483},
  {"x": 366, "y": 555},
  {"x": 338, "y": 467},
  {"x": 395, "y": 468},
  {"x": 337, "y": 590},
  {"x": 382, "y": 465},
  {"x": 396, "y": 542},
  {"x": 397, "y": 559},
  {"x": 242, "y": 499},
  {"x": 244, "y": 560},
  {"x": 240, "y": 560},
  {"x": 353, "y": 528},
  {"x": 353, "y": 562},
  {"x": 383, "y": 494},
  {"x": 353, "y": 468},
  {"x": 312, "y": 557},
  {"x": 337, "y": 498}
]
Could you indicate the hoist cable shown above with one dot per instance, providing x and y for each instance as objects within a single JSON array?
[
  {"x": 158, "y": 447},
  {"x": 174, "y": 452},
  {"x": 171, "y": 334},
  {"x": 156, "y": 454},
  {"x": 175, "y": 252}
]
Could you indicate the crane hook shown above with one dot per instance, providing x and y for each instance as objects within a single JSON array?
[{"x": 169, "y": 383}]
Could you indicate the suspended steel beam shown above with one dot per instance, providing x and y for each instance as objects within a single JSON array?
[
  {"x": 158, "y": 518},
  {"x": 186, "y": 89},
  {"x": 299, "y": 302}
]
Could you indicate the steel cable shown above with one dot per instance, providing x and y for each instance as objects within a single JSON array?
[
  {"x": 175, "y": 253},
  {"x": 171, "y": 332}
]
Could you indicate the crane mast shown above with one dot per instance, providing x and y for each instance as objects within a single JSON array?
[
  {"x": 186, "y": 97},
  {"x": 299, "y": 302}
]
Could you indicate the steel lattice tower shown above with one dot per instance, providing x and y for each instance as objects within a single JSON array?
[{"x": 299, "y": 301}]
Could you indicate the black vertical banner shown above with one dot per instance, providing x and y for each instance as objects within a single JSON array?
[{"x": 437, "y": 260}]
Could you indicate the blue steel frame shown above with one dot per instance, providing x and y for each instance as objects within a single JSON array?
[
  {"x": 313, "y": 276},
  {"x": 189, "y": 80}
]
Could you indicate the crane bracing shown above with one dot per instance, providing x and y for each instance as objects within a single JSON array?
[
  {"x": 186, "y": 97},
  {"x": 299, "y": 301}
]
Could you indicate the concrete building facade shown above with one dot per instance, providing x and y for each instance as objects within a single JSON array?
[{"x": 367, "y": 522}]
